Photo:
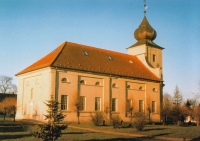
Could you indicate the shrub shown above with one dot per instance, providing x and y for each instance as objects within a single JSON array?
[
  {"x": 98, "y": 118},
  {"x": 139, "y": 120},
  {"x": 116, "y": 120}
]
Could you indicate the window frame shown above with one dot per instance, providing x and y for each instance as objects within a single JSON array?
[
  {"x": 153, "y": 107},
  {"x": 154, "y": 58},
  {"x": 64, "y": 102},
  {"x": 114, "y": 105},
  {"x": 141, "y": 105},
  {"x": 82, "y": 103},
  {"x": 97, "y": 104}
]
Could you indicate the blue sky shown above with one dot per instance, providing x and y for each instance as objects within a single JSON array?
[{"x": 29, "y": 29}]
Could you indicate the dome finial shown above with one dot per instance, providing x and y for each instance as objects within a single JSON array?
[{"x": 145, "y": 7}]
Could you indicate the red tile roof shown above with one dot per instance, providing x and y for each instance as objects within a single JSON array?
[{"x": 86, "y": 58}]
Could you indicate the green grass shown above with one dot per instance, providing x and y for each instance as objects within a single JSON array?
[
  {"x": 153, "y": 130},
  {"x": 72, "y": 134}
]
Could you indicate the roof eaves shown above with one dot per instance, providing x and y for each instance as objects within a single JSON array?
[{"x": 112, "y": 74}]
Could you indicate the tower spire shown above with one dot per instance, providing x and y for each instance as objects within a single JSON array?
[{"x": 145, "y": 7}]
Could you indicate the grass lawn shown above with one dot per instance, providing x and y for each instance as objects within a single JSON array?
[
  {"x": 153, "y": 130},
  {"x": 71, "y": 134}
]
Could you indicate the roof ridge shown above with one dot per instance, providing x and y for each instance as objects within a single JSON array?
[{"x": 101, "y": 49}]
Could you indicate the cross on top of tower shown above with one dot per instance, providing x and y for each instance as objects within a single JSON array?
[{"x": 145, "y": 7}]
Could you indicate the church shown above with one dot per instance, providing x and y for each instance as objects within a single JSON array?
[{"x": 96, "y": 79}]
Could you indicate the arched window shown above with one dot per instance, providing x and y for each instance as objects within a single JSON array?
[
  {"x": 97, "y": 83},
  {"x": 114, "y": 85},
  {"x": 154, "y": 90},
  {"x": 64, "y": 80},
  {"x": 82, "y": 82}
]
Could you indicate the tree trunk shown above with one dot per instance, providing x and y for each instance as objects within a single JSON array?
[
  {"x": 78, "y": 115},
  {"x": 149, "y": 117},
  {"x": 14, "y": 115},
  {"x": 4, "y": 117}
]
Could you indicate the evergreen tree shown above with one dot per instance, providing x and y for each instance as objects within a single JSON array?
[
  {"x": 51, "y": 130},
  {"x": 177, "y": 98}
]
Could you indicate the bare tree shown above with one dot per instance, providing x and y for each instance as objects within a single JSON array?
[
  {"x": 167, "y": 107},
  {"x": 149, "y": 108},
  {"x": 76, "y": 103},
  {"x": 6, "y": 85},
  {"x": 4, "y": 107},
  {"x": 195, "y": 101},
  {"x": 197, "y": 114},
  {"x": 9, "y": 105}
]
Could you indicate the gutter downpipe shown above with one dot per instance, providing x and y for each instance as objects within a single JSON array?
[
  {"x": 56, "y": 85},
  {"x": 161, "y": 98},
  {"x": 110, "y": 113}
]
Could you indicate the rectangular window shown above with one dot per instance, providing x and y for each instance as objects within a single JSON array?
[
  {"x": 97, "y": 103},
  {"x": 114, "y": 104},
  {"x": 141, "y": 105},
  {"x": 154, "y": 58},
  {"x": 82, "y": 103},
  {"x": 63, "y": 102},
  {"x": 153, "y": 106},
  {"x": 129, "y": 105}
]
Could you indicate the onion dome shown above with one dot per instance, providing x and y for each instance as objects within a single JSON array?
[{"x": 145, "y": 31}]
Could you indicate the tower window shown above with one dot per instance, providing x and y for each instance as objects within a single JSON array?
[
  {"x": 153, "y": 106},
  {"x": 154, "y": 58},
  {"x": 154, "y": 90}
]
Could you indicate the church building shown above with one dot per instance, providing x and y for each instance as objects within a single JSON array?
[{"x": 95, "y": 79}]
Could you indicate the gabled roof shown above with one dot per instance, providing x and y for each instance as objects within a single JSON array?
[{"x": 86, "y": 58}]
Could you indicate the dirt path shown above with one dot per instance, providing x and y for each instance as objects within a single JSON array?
[{"x": 128, "y": 134}]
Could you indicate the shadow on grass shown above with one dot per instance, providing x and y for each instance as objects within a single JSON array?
[
  {"x": 123, "y": 139},
  {"x": 77, "y": 132},
  {"x": 14, "y": 136},
  {"x": 154, "y": 129},
  {"x": 196, "y": 139},
  {"x": 163, "y": 134}
]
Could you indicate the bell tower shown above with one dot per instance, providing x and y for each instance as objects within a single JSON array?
[{"x": 149, "y": 53}]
